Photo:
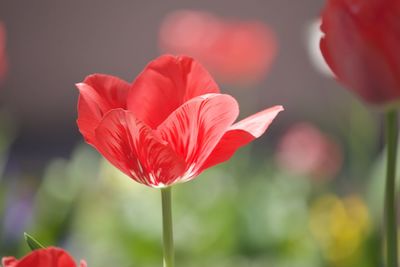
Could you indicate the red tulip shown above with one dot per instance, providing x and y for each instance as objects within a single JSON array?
[
  {"x": 361, "y": 46},
  {"x": 234, "y": 51},
  {"x": 3, "y": 56},
  {"x": 167, "y": 126},
  {"x": 47, "y": 257}
]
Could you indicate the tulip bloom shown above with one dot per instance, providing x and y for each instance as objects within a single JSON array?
[
  {"x": 361, "y": 46},
  {"x": 234, "y": 51},
  {"x": 46, "y": 257},
  {"x": 167, "y": 126}
]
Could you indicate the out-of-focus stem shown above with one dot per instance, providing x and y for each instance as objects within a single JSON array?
[{"x": 390, "y": 189}]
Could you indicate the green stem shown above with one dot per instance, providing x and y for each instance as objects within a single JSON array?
[
  {"x": 390, "y": 198},
  {"x": 168, "y": 240}
]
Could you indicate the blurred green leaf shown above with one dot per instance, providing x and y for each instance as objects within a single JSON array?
[{"x": 32, "y": 242}]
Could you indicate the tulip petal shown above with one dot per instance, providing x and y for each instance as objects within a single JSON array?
[
  {"x": 196, "y": 127},
  {"x": 83, "y": 263},
  {"x": 132, "y": 147},
  {"x": 164, "y": 85},
  {"x": 240, "y": 134},
  {"x": 9, "y": 261},
  {"x": 49, "y": 257},
  {"x": 99, "y": 93}
]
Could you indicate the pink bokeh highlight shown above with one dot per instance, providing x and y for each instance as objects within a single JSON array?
[
  {"x": 305, "y": 150},
  {"x": 234, "y": 51}
]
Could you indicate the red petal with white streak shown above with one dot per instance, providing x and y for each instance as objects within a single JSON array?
[
  {"x": 99, "y": 93},
  {"x": 164, "y": 85},
  {"x": 132, "y": 147},
  {"x": 195, "y": 128},
  {"x": 240, "y": 134}
]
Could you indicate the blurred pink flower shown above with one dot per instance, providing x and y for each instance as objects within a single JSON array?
[
  {"x": 305, "y": 150},
  {"x": 3, "y": 56},
  {"x": 236, "y": 52}
]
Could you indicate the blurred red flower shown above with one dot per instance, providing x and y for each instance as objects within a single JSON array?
[
  {"x": 46, "y": 257},
  {"x": 3, "y": 56},
  {"x": 305, "y": 150},
  {"x": 167, "y": 126},
  {"x": 361, "y": 46},
  {"x": 234, "y": 51}
]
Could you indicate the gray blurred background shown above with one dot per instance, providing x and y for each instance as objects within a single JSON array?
[{"x": 54, "y": 44}]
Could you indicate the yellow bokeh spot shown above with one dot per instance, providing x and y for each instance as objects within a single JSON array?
[{"x": 339, "y": 225}]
